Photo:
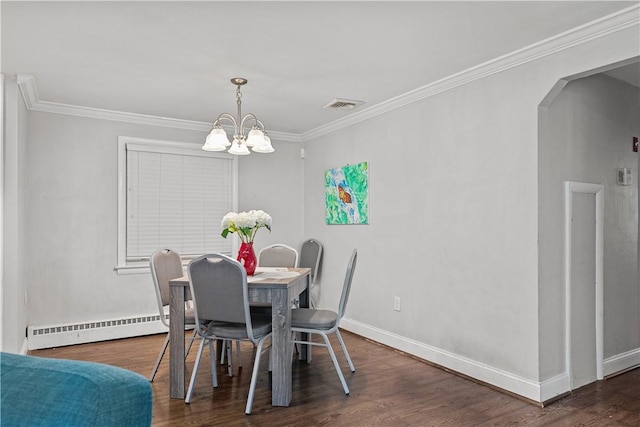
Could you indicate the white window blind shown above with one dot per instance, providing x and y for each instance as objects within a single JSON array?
[{"x": 176, "y": 199}]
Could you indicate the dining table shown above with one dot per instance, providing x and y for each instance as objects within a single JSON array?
[{"x": 278, "y": 286}]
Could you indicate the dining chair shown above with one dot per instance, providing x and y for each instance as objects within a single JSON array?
[
  {"x": 278, "y": 255},
  {"x": 220, "y": 295},
  {"x": 166, "y": 265},
  {"x": 310, "y": 257},
  {"x": 324, "y": 322}
]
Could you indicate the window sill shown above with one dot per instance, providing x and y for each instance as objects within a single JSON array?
[
  {"x": 141, "y": 268},
  {"x": 132, "y": 269}
]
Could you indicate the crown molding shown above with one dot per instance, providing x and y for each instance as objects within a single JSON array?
[
  {"x": 29, "y": 91},
  {"x": 593, "y": 30},
  {"x": 27, "y": 84}
]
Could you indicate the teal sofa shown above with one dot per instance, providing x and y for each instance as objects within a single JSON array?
[{"x": 38, "y": 391}]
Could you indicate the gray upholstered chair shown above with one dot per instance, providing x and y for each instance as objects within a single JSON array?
[
  {"x": 220, "y": 295},
  {"x": 310, "y": 257},
  {"x": 324, "y": 322},
  {"x": 278, "y": 255},
  {"x": 166, "y": 265}
]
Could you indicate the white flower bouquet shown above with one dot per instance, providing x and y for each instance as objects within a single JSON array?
[{"x": 246, "y": 224}]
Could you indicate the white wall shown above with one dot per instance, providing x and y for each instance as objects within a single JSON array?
[
  {"x": 72, "y": 216},
  {"x": 586, "y": 135},
  {"x": 274, "y": 183},
  {"x": 454, "y": 211},
  {"x": 14, "y": 252}
]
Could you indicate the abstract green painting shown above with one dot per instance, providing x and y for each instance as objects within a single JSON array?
[{"x": 346, "y": 192}]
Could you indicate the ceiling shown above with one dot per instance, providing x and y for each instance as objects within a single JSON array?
[
  {"x": 175, "y": 59},
  {"x": 628, "y": 73}
]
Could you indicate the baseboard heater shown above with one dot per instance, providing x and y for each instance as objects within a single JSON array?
[{"x": 39, "y": 337}]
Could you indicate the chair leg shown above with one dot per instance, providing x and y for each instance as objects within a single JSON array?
[
  {"x": 226, "y": 355},
  {"x": 191, "y": 340},
  {"x": 192, "y": 383},
  {"x": 335, "y": 362},
  {"x": 344, "y": 350},
  {"x": 294, "y": 346},
  {"x": 223, "y": 352},
  {"x": 160, "y": 356},
  {"x": 212, "y": 362},
  {"x": 229, "y": 348},
  {"x": 239, "y": 355},
  {"x": 254, "y": 377}
]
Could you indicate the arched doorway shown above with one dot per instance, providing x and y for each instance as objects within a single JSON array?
[{"x": 587, "y": 125}]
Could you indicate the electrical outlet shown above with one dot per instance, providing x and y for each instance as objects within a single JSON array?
[{"x": 396, "y": 303}]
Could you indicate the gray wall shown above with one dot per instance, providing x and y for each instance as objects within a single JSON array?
[
  {"x": 72, "y": 216},
  {"x": 274, "y": 183},
  {"x": 14, "y": 250},
  {"x": 586, "y": 135},
  {"x": 454, "y": 213},
  {"x": 452, "y": 232}
]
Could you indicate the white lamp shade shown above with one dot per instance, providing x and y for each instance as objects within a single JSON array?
[
  {"x": 218, "y": 136},
  {"x": 238, "y": 149},
  {"x": 255, "y": 138},
  {"x": 266, "y": 148},
  {"x": 211, "y": 147}
]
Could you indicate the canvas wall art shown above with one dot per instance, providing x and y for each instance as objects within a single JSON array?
[{"x": 346, "y": 192}]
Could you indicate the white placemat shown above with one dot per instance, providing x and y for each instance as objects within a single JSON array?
[
  {"x": 271, "y": 273},
  {"x": 270, "y": 269}
]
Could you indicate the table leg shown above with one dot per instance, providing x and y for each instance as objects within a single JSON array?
[
  {"x": 176, "y": 342},
  {"x": 281, "y": 348}
]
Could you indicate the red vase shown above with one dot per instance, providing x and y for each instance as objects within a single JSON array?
[{"x": 247, "y": 257}]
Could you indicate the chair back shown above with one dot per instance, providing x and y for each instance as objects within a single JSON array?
[
  {"x": 310, "y": 257},
  {"x": 165, "y": 265},
  {"x": 278, "y": 255},
  {"x": 346, "y": 288},
  {"x": 219, "y": 290}
]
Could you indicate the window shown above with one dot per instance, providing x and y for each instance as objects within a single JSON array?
[{"x": 171, "y": 195}]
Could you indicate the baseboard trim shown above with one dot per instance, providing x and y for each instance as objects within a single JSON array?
[
  {"x": 507, "y": 381},
  {"x": 554, "y": 388},
  {"x": 541, "y": 392},
  {"x": 621, "y": 362},
  {"x": 39, "y": 337}
]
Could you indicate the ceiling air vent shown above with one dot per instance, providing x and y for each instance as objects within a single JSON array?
[{"x": 343, "y": 104}]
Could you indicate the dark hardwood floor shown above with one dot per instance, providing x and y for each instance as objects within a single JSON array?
[{"x": 388, "y": 389}]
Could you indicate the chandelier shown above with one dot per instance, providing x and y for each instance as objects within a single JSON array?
[{"x": 257, "y": 138}]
